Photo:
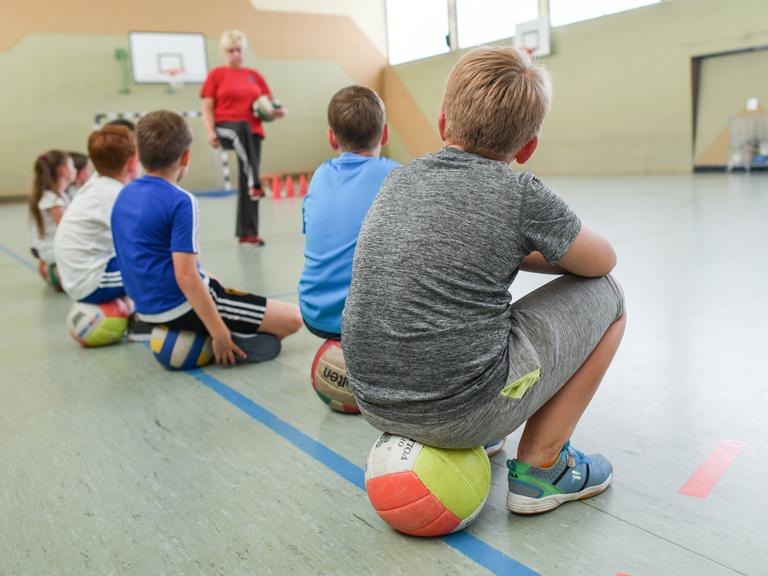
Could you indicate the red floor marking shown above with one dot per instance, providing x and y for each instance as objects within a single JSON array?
[{"x": 701, "y": 482}]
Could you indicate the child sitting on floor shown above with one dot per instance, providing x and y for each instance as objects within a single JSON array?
[
  {"x": 54, "y": 173},
  {"x": 155, "y": 227},
  {"x": 85, "y": 253}
]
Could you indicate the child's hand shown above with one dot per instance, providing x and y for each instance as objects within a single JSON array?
[
  {"x": 213, "y": 140},
  {"x": 225, "y": 350}
]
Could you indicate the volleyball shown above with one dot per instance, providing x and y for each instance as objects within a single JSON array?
[
  {"x": 426, "y": 491},
  {"x": 264, "y": 108},
  {"x": 180, "y": 349},
  {"x": 95, "y": 325},
  {"x": 329, "y": 378}
]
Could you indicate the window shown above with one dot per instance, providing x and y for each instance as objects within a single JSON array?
[
  {"x": 483, "y": 21},
  {"x": 416, "y": 29},
  {"x": 568, "y": 11}
]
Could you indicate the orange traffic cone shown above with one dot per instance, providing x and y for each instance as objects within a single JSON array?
[
  {"x": 289, "y": 191},
  {"x": 303, "y": 185},
  {"x": 275, "y": 187}
]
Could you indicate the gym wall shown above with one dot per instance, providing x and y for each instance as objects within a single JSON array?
[
  {"x": 58, "y": 68},
  {"x": 622, "y": 85},
  {"x": 623, "y": 101},
  {"x": 726, "y": 82}
]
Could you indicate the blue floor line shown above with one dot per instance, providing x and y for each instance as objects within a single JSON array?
[
  {"x": 26, "y": 262},
  {"x": 472, "y": 547},
  {"x": 343, "y": 467},
  {"x": 214, "y": 193}
]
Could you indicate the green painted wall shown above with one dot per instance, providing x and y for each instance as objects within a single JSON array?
[
  {"x": 622, "y": 94},
  {"x": 396, "y": 147},
  {"x": 622, "y": 84},
  {"x": 726, "y": 84},
  {"x": 55, "y": 84}
]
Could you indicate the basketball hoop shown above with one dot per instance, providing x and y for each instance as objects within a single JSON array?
[
  {"x": 533, "y": 37},
  {"x": 175, "y": 83}
]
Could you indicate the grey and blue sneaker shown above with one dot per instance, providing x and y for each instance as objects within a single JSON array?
[
  {"x": 575, "y": 476},
  {"x": 494, "y": 447},
  {"x": 257, "y": 347}
]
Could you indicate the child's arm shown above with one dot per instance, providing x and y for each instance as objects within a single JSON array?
[
  {"x": 209, "y": 122},
  {"x": 535, "y": 262},
  {"x": 190, "y": 283},
  {"x": 589, "y": 255},
  {"x": 553, "y": 231},
  {"x": 57, "y": 212}
]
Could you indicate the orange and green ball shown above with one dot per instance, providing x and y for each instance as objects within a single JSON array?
[
  {"x": 94, "y": 325},
  {"x": 426, "y": 491}
]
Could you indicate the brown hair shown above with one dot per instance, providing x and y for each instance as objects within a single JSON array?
[
  {"x": 163, "y": 136},
  {"x": 110, "y": 149},
  {"x": 495, "y": 100},
  {"x": 79, "y": 159},
  {"x": 46, "y": 177},
  {"x": 122, "y": 122},
  {"x": 356, "y": 116}
]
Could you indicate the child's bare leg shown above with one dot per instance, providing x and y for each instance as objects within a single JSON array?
[
  {"x": 552, "y": 425},
  {"x": 281, "y": 319}
]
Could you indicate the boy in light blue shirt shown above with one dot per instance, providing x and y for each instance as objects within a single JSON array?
[{"x": 340, "y": 194}]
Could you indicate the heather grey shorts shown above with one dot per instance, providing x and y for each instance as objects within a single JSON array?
[{"x": 554, "y": 330}]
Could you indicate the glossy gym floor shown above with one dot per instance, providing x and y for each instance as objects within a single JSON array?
[{"x": 110, "y": 464}]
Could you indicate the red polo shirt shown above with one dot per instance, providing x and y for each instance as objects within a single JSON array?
[{"x": 233, "y": 91}]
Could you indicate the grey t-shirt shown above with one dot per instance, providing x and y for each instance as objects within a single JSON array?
[{"x": 426, "y": 322}]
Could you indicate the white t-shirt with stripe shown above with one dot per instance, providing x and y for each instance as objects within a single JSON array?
[{"x": 83, "y": 242}]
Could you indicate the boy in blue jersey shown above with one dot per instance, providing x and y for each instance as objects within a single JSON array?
[
  {"x": 155, "y": 226},
  {"x": 339, "y": 196}
]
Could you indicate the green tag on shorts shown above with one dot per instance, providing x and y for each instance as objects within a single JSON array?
[{"x": 519, "y": 387}]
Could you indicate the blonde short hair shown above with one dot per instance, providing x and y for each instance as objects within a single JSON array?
[
  {"x": 233, "y": 38},
  {"x": 495, "y": 100}
]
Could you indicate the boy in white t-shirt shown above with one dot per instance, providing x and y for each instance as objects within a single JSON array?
[{"x": 85, "y": 253}]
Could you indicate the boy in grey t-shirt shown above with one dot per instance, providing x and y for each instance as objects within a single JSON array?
[{"x": 434, "y": 349}]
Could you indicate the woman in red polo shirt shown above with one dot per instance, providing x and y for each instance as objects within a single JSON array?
[{"x": 228, "y": 96}]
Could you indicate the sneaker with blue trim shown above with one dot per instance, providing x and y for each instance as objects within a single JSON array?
[
  {"x": 494, "y": 447},
  {"x": 574, "y": 476}
]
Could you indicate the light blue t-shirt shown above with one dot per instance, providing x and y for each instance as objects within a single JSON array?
[
  {"x": 340, "y": 193},
  {"x": 151, "y": 219}
]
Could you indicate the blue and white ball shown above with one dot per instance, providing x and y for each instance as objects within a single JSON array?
[{"x": 180, "y": 349}]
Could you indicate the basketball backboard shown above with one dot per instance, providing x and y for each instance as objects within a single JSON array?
[
  {"x": 158, "y": 56},
  {"x": 533, "y": 36}
]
